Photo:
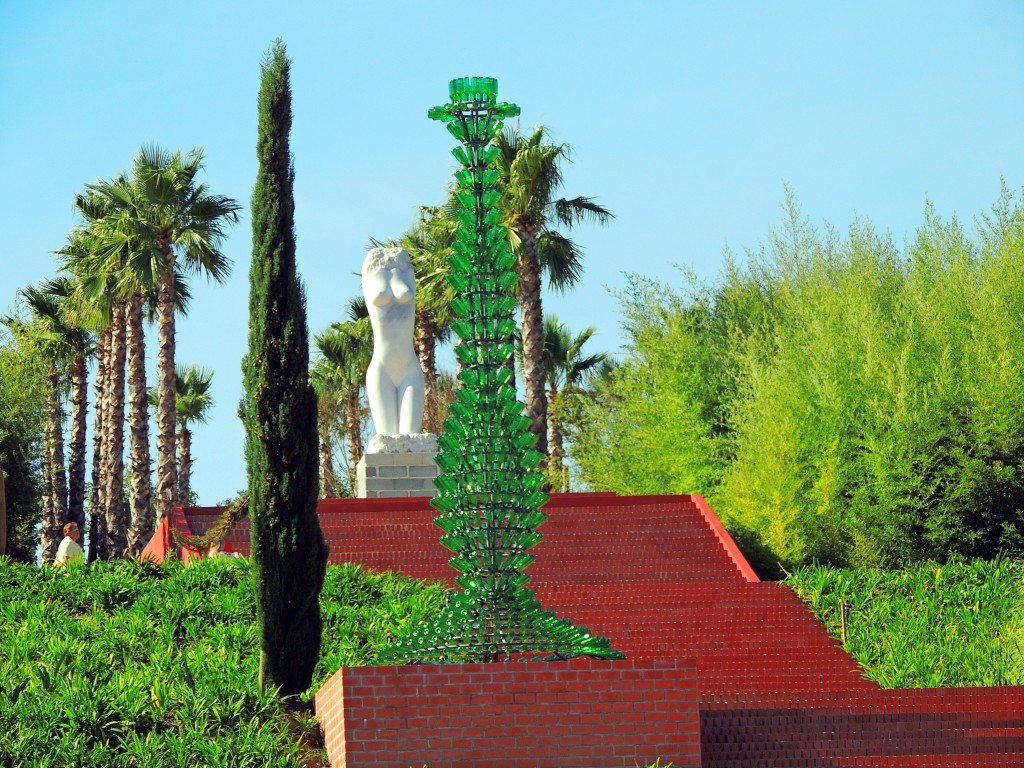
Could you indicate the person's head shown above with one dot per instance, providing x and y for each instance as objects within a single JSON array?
[{"x": 71, "y": 530}]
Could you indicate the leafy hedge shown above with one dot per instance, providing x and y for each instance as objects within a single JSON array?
[
  {"x": 958, "y": 624},
  {"x": 127, "y": 664}
]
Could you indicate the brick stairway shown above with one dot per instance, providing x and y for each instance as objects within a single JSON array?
[{"x": 660, "y": 577}]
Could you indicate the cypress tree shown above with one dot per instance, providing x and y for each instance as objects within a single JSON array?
[{"x": 289, "y": 553}]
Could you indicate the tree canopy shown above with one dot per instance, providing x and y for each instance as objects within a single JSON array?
[{"x": 837, "y": 397}]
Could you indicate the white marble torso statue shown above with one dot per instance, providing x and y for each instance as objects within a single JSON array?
[{"x": 394, "y": 379}]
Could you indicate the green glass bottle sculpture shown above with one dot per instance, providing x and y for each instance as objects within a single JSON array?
[{"x": 489, "y": 490}]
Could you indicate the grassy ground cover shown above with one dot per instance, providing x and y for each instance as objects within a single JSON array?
[
  {"x": 958, "y": 624},
  {"x": 127, "y": 664}
]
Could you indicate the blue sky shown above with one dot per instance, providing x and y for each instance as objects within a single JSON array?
[{"x": 686, "y": 119}]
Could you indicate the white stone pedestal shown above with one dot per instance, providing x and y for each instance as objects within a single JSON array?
[{"x": 397, "y": 474}]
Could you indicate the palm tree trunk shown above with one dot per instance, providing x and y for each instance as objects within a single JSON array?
[
  {"x": 556, "y": 444},
  {"x": 328, "y": 480},
  {"x": 117, "y": 512},
  {"x": 55, "y": 505},
  {"x": 184, "y": 490},
  {"x": 60, "y": 479},
  {"x": 47, "y": 540},
  {"x": 166, "y": 469},
  {"x": 354, "y": 433},
  {"x": 77, "y": 442},
  {"x": 426, "y": 346},
  {"x": 97, "y": 500},
  {"x": 141, "y": 525},
  {"x": 533, "y": 339}
]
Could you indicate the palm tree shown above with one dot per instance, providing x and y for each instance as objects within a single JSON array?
[
  {"x": 330, "y": 419},
  {"x": 114, "y": 262},
  {"x": 529, "y": 178},
  {"x": 118, "y": 275},
  {"x": 60, "y": 342},
  {"x": 567, "y": 371},
  {"x": 194, "y": 402},
  {"x": 429, "y": 245},
  {"x": 165, "y": 214},
  {"x": 345, "y": 348},
  {"x": 98, "y": 549},
  {"x": 81, "y": 341}
]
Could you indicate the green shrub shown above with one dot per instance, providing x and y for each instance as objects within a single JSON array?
[
  {"x": 119, "y": 664},
  {"x": 837, "y": 398},
  {"x": 958, "y": 624}
]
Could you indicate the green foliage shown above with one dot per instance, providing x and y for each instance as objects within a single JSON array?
[
  {"x": 22, "y": 407},
  {"x": 279, "y": 410},
  {"x": 126, "y": 664},
  {"x": 957, "y": 624},
  {"x": 666, "y": 386},
  {"x": 363, "y": 611},
  {"x": 129, "y": 665},
  {"x": 837, "y": 398}
]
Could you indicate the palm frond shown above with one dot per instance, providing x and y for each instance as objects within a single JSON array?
[
  {"x": 565, "y": 367},
  {"x": 356, "y": 310},
  {"x": 571, "y": 212},
  {"x": 560, "y": 259}
]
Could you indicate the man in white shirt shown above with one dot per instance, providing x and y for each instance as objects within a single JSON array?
[{"x": 69, "y": 550}]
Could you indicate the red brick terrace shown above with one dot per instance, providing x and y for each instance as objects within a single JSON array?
[{"x": 722, "y": 670}]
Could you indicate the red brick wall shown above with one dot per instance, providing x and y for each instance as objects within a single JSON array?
[
  {"x": 905, "y": 728},
  {"x": 582, "y": 713}
]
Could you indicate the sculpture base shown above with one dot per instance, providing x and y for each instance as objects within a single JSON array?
[
  {"x": 421, "y": 442},
  {"x": 383, "y": 475}
]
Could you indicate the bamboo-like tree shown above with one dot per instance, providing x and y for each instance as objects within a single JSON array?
[
  {"x": 23, "y": 405},
  {"x": 289, "y": 553},
  {"x": 530, "y": 176},
  {"x": 162, "y": 212},
  {"x": 567, "y": 371}
]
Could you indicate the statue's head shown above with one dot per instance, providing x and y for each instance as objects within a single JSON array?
[{"x": 379, "y": 259}]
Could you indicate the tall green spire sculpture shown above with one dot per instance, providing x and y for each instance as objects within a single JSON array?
[{"x": 489, "y": 489}]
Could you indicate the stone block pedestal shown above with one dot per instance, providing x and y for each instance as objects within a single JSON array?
[{"x": 382, "y": 475}]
